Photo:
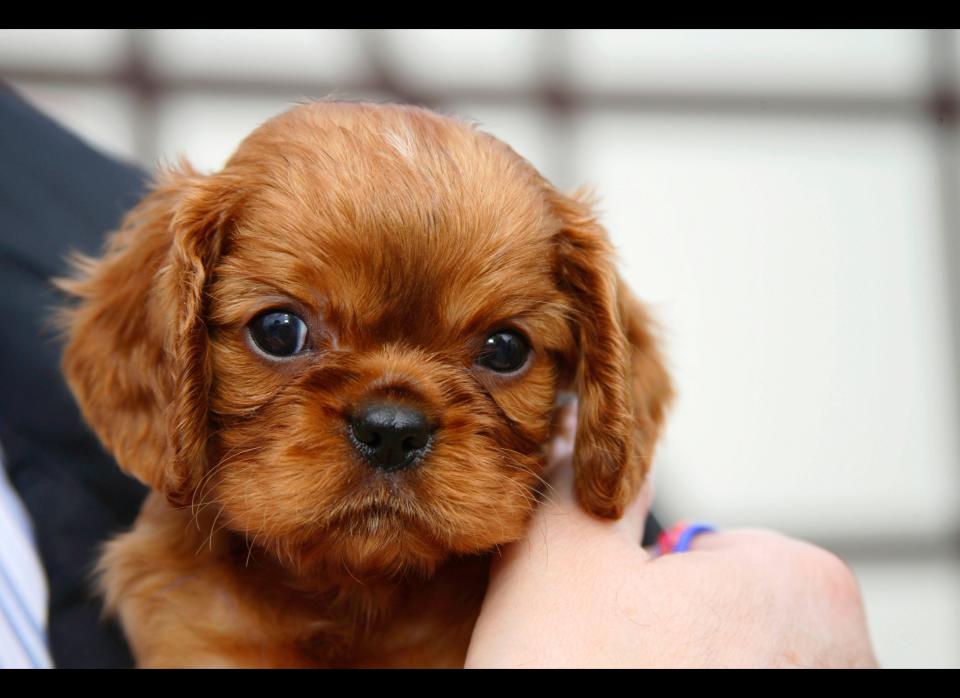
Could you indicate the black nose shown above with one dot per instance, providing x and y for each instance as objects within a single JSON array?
[{"x": 390, "y": 436}]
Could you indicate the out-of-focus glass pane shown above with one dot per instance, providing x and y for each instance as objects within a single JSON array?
[
  {"x": 912, "y": 610},
  {"x": 51, "y": 49},
  {"x": 325, "y": 55},
  {"x": 102, "y": 116},
  {"x": 838, "y": 62},
  {"x": 956, "y": 51},
  {"x": 207, "y": 129},
  {"x": 461, "y": 58},
  {"x": 797, "y": 267}
]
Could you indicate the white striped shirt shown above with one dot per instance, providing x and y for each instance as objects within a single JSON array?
[{"x": 23, "y": 587}]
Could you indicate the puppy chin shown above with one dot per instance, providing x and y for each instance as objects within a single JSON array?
[
  {"x": 378, "y": 544},
  {"x": 369, "y": 544}
]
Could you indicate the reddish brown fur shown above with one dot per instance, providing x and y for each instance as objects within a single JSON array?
[{"x": 403, "y": 239}]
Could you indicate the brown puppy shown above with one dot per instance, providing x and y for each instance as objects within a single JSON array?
[{"x": 336, "y": 363}]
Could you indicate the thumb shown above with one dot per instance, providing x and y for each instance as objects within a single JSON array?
[
  {"x": 560, "y": 497},
  {"x": 633, "y": 522}
]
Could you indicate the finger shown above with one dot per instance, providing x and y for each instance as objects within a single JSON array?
[
  {"x": 563, "y": 435},
  {"x": 560, "y": 495},
  {"x": 738, "y": 539},
  {"x": 560, "y": 492},
  {"x": 634, "y": 519},
  {"x": 558, "y": 472},
  {"x": 561, "y": 505}
]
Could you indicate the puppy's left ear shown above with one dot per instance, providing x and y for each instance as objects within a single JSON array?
[{"x": 622, "y": 385}]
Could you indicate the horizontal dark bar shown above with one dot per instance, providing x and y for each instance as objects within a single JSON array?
[
  {"x": 898, "y": 548},
  {"x": 553, "y": 97}
]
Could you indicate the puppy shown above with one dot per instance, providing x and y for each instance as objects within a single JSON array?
[{"x": 336, "y": 364}]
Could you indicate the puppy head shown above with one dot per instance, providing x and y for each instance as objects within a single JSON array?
[{"x": 349, "y": 342}]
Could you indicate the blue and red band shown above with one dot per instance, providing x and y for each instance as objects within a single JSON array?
[{"x": 678, "y": 537}]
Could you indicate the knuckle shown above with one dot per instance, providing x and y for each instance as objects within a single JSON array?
[
  {"x": 833, "y": 574},
  {"x": 761, "y": 539},
  {"x": 837, "y": 576}
]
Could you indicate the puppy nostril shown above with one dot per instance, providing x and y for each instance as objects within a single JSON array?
[
  {"x": 364, "y": 433},
  {"x": 390, "y": 436},
  {"x": 414, "y": 442}
]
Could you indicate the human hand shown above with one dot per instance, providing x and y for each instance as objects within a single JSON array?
[{"x": 582, "y": 592}]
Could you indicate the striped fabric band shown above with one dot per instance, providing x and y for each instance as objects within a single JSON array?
[{"x": 23, "y": 587}]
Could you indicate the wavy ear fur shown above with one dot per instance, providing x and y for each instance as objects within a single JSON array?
[
  {"x": 136, "y": 356},
  {"x": 622, "y": 385}
]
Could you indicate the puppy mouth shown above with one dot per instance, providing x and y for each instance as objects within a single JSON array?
[
  {"x": 389, "y": 506},
  {"x": 379, "y": 522},
  {"x": 377, "y": 511}
]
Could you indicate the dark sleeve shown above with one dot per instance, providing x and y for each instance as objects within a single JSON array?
[{"x": 57, "y": 194}]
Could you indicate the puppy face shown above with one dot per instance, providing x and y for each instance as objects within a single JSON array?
[{"x": 349, "y": 343}]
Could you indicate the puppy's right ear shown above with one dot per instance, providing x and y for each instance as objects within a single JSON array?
[{"x": 136, "y": 353}]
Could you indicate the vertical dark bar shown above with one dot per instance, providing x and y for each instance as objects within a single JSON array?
[
  {"x": 139, "y": 78},
  {"x": 944, "y": 113},
  {"x": 556, "y": 96}
]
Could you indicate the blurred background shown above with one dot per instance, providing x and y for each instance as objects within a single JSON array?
[{"x": 787, "y": 202}]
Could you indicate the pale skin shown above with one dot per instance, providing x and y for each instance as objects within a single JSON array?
[{"x": 582, "y": 592}]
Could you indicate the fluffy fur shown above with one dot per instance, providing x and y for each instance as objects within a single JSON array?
[{"x": 403, "y": 239}]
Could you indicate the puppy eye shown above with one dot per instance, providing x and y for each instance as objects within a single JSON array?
[
  {"x": 504, "y": 352},
  {"x": 279, "y": 333}
]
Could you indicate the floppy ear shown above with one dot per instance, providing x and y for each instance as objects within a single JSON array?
[
  {"x": 622, "y": 385},
  {"x": 136, "y": 357}
]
